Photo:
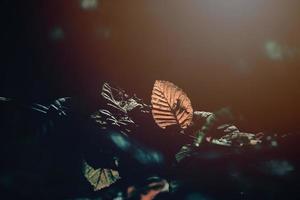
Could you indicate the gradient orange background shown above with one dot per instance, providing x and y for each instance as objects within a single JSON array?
[{"x": 215, "y": 50}]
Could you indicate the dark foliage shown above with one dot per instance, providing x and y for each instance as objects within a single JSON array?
[{"x": 43, "y": 149}]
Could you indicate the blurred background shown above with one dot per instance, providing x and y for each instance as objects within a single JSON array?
[{"x": 237, "y": 53}]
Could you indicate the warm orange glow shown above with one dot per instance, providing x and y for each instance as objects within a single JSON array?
[{"x": 238, "y": 53}]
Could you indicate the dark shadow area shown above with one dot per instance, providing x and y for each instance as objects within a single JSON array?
[{"x": 242, "y": 55}]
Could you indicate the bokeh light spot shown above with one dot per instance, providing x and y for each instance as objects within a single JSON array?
[
  {"x": 89, "y": 4},
  {"x": 274, "y": 50},
  {"x": 57, "y": 33},
  {"x": 278, "y": 167}
]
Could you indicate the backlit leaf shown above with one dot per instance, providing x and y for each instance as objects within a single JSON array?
[{"x": 170, "y": 105}]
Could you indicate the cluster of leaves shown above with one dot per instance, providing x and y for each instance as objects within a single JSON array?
[{"x": 170, "y": 106}]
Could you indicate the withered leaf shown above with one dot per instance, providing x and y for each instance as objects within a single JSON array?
[
  {"x": 100, "y": 178},
  {"x": 170, "y": 105}
]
